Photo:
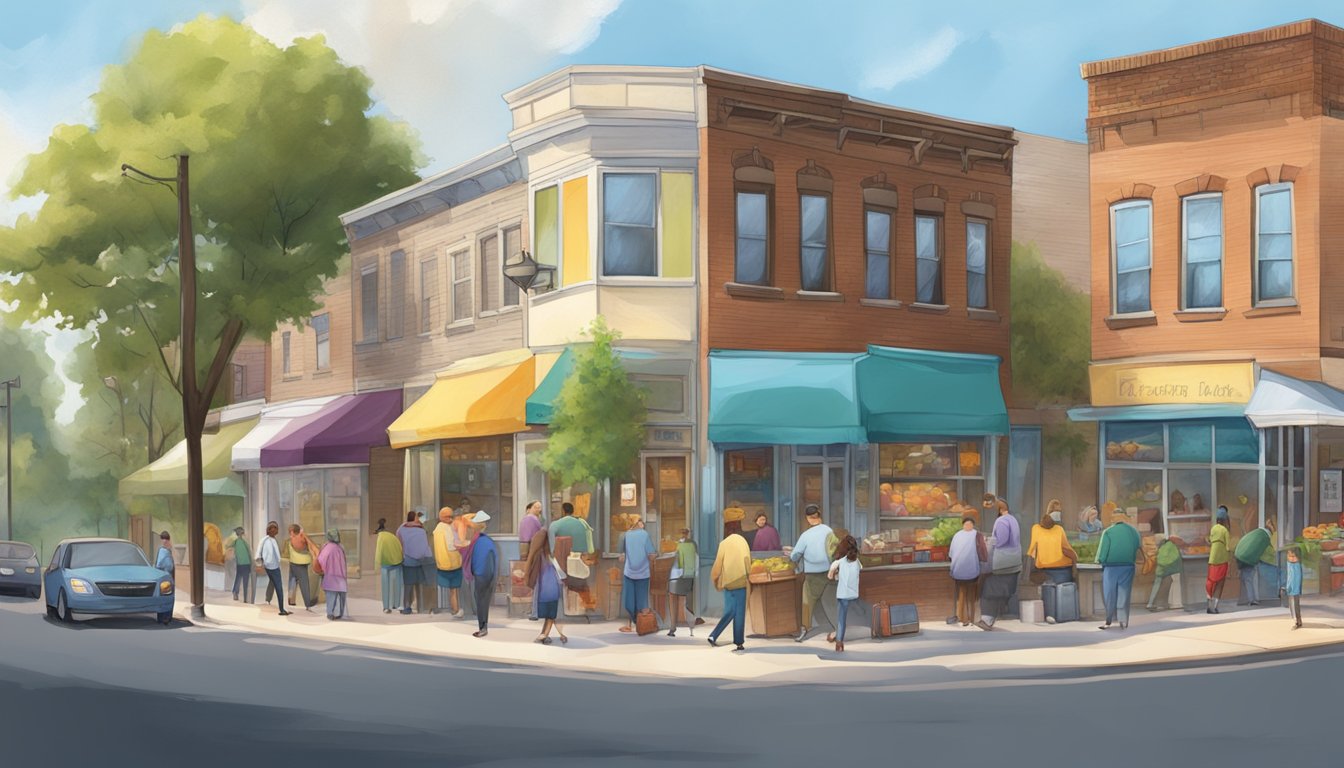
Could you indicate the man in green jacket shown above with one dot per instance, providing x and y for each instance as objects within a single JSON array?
[
  {"x": 242, "y": 558},
  {"x": 1170, "y": 567},
  {"x": 1248, "y": 553},
  {"x": 1120, "y": 547}
]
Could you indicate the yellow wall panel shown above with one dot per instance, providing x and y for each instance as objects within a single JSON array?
[
  {"x": 575, "y": 211},
  {"x": 678, "y": 211}
]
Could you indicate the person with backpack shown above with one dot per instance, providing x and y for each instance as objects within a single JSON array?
[
  {"x": 302, "y": 551},
  {"x": 546, "y": 578},
  {"x": 845, "y": 572},
  {"x": 1249, "y": 553},
  {"x": 637, "y": 553},
  {"x": 1005, "y": 564},
  {"x": 1170, "y": 566},
  {"x": 448, "y": 563}
]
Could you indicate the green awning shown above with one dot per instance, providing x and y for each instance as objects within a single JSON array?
[
  {"x": 783, "y": 398},
  {"x": 909, "y": 394},
  {"x": 168, "y": 475}
]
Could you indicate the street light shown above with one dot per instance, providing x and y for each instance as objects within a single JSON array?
[
  {"x": 527, "y": 273},
  {"x": 9, "y": 458}
]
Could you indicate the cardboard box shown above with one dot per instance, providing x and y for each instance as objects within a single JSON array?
[{"x": 1031, "y": 611}]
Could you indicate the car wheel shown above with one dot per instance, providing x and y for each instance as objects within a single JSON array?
[
  {"x": 51, "y": 611},
  {"x": 63, "y": 608}
]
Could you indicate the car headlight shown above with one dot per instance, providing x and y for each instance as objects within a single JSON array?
[
  {"x": 81, "y": 587},
  {"x": 30, "y": 570},
  {"x": 165, "y": 587}
]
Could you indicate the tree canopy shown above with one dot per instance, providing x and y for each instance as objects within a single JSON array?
[
  {"x": 1051, "y": 337},
  {"x": 281, "y": 142},
  {"x": 597, "y": 429}
]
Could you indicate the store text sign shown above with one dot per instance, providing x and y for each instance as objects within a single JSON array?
[{"x": 1174, "y": 384}]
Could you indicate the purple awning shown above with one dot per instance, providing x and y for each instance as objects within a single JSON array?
[{"x": 341, "y": 433}]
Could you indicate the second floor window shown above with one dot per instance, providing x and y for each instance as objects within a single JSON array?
[
  {"x": 462, "y": 295},
  {"x": 928, "y": 259},
  {"x": 368, "y": 304},
  {"x": 396, "y": 306},
  {"x": 629, "y": 225},
  {"x": 877, "y": 248},
  {"x": 490, "y": 273},
  {"x": 513, "y": 243},
  {"x": 1203, "y": 252},
  {"x": 322, "y": 333},
  {"x": 286, "y": 362},
  {"x": 814, "y": 245},
  {"x": 1131, "y": 253},
  {"x": 429, "y": 286},
  {"x": 977, "y": 264},
  {"x": 752, "y": 262},
  {"x": 1273, "y": 243}
]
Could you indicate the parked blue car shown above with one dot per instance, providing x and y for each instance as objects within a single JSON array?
[
  {"x": 104, "y": 576},
  {"x": 19, "y": 570}
]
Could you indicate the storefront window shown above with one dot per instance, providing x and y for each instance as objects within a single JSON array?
[
  {"x": 903, "y": 469},
  {"x": 623, "y": 501},
  {"x": 1191, "y": 443},
  {"x": 421, "y": 464},
  {"x": 1140, "y": 441},
  {"x": 345, "y": 509},
  {"x": 479, "y": 474},
  {"x": 319, "y": 499},
  {"x": 1137, "y": 493},
  {"x": 308, "y": 495},
  {"x": 1237, "y": 442},
  {"x": 1237, "y": 490},
  {"x": 863, "y": 495},
  {"x": 281, "y": 494},
  {"x": 749, "y": 482}
]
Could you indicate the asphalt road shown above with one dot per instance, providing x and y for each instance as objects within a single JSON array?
[{"x": 121, "y": 692}]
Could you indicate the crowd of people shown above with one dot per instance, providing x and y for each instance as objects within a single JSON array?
[{"x": 416, "y": 566}]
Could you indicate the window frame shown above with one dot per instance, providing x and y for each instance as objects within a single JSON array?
[
  {"x": 768, "y": 190},
  {"x": 828, "y": 268},
  {"x": 1114, "y": 248},
  {"x": 989, "y": 261},
  {"x": 454, "y": 280},
  {"x": 939, "y": 221},
  {"x": 426, "y": 303},
  {"x": 484, "y": 305},
  {"x": 1185, "y": 281},
  {"x": 535, "y": 230},
  {"x": 890, "y": 213},
  {"x": 502, "y": 233},
  {"x": 319, "y": 340},
  {"x": 286, "y": 355},
  {"x": 396, "y": 304},
  {"x": 601, "y": 218},
  {"x": 1291, "y": 298},
  {"x": 365, "y": 337}
]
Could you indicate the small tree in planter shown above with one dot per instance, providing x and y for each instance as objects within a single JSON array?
[{"x": 597, "y": 427}]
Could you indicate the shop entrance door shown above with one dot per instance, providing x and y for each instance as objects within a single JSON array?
[
  {"x": 666, "y": 498},
  {"x": 820, "y": 482}
]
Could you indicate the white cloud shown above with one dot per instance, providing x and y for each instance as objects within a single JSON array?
[
  {"x": 441, "y": 65},
  {"x": 913, "y": 63}
]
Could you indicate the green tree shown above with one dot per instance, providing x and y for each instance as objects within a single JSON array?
[
  {"x": 1051, "y": 337},
  {"x": 281, "y": 142},
  {"x": 597, "y": 429}
]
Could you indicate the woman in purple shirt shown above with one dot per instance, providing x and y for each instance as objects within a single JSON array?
[{"x": 767, "y": 536}]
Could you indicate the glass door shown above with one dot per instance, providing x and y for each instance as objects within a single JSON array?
[
  {"x": 821, "y": 483},
  {"x": 666, "y": 494}
]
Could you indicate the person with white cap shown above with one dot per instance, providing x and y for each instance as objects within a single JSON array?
[{"x": 484, "y": 571}]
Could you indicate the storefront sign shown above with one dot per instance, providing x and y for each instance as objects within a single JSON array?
[
  {"x": 1331, "y": 500},
  {"x": 669, "y": 437},
  {"x": 1175, "y": 384},
  {"x": 629, "y": 497}
]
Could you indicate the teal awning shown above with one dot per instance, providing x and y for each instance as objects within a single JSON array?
[
  {"x": 541, "y": 403},
  {"x": 783, "y": 398},
  {"x": 1157, "y": 412},
  {"x": 909, "y": 394}
]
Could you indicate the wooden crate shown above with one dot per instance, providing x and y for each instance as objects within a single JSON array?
[{"x": 775, "y": 607}]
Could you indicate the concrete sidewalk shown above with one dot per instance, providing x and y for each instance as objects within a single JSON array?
[{"x": 1151, "y": 639}]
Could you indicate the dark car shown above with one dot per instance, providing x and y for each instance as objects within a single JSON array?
[
  {"x": 19, "y": 572},
  {"x": 104, "y": 576}
]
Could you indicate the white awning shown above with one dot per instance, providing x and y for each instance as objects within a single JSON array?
[
  {"x": 1283, "y": 401},
  {"x": 274, "y": 418}
]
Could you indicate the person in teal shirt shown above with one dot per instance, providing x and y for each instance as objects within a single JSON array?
[
  {"x": 1120, "y": 547},
  {"x": 576, "y": 528},
  {"x": 1290, "y": 585},
  {"x": 1170, "y": 567}
]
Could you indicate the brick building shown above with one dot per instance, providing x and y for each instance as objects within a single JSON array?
[{"x": 1217, "y": 343}]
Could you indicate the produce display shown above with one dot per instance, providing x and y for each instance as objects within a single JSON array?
[
  {"x": 916, "y": 499},
  {"x": 1319, "y": 532},
  {"x": 770, "y": 569},
  {"x": 942, "y": 532},
  {"x": 623, "y": 521},
  {"x": 1087, "y": 550},
  {"x": 1132, "y": 451}
]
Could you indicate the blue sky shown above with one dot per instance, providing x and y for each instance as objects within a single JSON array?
[{"x": 442, "y": 64}]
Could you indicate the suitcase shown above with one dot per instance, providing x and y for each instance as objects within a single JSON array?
[
  {"x": 1061, "y": 601},
  {"x": 894, "y": 620}
]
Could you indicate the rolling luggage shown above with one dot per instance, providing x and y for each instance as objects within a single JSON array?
[
  {"x": 894, "y": 620},
  {"x": 1061, "y": 601}
]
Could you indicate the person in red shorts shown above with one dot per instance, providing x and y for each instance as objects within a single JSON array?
[{"x": 1218, "y": 556}]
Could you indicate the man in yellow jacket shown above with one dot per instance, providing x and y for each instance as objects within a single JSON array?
[
  {"x": 731, "y": 568},
  {"x": 448, "y": 560}
]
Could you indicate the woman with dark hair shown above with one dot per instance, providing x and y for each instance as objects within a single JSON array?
[
  {"x": 545, "y": 578},
  {"x": 845, "y": 572},
  {"x": 681, "y": 584},
  {"x": 967, "y": 552}
]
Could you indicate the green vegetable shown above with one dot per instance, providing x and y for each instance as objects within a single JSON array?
[{"x": 944, "y": 530}]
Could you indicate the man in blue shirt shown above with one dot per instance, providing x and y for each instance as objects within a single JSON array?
[
  {"x": 484, "y": 570},
  {"x": 637, "y": 554},
  {"x": 164, "y": 562},
  {"x": 813, "y": 552}
]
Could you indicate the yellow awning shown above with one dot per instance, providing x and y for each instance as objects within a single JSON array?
[
  {"x": 476, "y": 397},
  {"x": 168, "y": 475}
]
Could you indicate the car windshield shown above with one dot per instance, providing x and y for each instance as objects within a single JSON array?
[
  {"x": 106, "y": 553},
  {"x": 10, "y": 550}
]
